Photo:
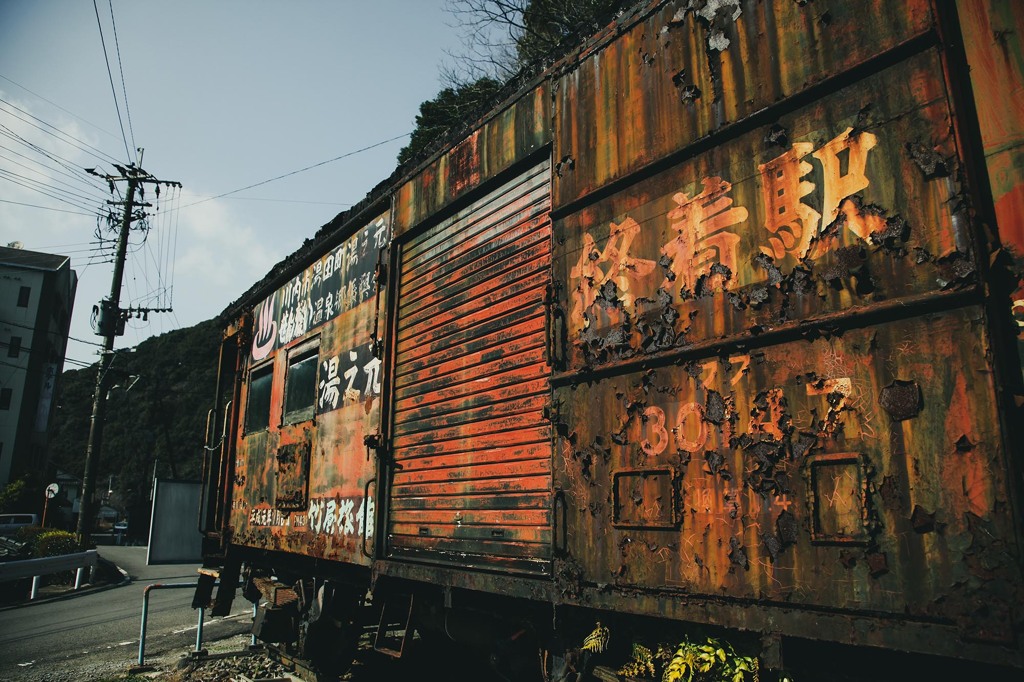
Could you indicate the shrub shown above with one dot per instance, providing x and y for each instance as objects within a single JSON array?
[
  {"x": 28, "y": 536},
  {"x": 55, "y": 543}
]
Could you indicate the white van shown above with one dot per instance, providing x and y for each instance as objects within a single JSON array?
[{"x": 10, "y": 523}]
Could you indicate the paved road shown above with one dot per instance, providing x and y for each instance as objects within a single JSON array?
[{"x": 87, "y": 636}]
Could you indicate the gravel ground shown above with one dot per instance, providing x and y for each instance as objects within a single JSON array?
[{"x": 231, "y": 660}]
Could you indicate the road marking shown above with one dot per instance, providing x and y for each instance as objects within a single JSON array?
[
  {"x": 210, "y": 622},
  {"x": 25, "y": 665}
]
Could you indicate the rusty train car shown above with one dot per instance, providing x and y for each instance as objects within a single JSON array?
[{"x": 711, "y": 322}]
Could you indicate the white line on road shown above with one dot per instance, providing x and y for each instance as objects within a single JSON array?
[{"x": 209, "y": 622}]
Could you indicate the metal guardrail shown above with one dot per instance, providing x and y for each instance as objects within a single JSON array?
[{"x": 36, "y": 568}]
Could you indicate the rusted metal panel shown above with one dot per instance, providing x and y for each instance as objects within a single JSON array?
[
  {"x": 300, "y": 482},
  {"x": 992, "y": 33},
  {"x": 471, "y": 443},
  {"x": 825, "y": 211},
  {"x": 692, "y": 68},
  {"x": 511, "y": 135},
  {"x": 861, "y": 474}
]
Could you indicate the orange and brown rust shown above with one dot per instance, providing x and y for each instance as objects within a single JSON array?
[
  {"x": 510, "y": 136},
  {"x": 472, "y": 449},
  {"x": 753, "y": 235},
  {"x": 861, "y": 472},
  {"x": 677, "y": 77},
  {"x": 300, "y": 487}
]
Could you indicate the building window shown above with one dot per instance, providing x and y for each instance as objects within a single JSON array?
[
  {"x": 5, "y": 398},
  {"x": 257, "y": 406},
  {"x": 300, "y": 383},
  {"x": 23, "y": 294},
  {"x": 14, "y": 347}
]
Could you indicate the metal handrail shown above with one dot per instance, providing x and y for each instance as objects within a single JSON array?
[{"x": 145, "y": 616}]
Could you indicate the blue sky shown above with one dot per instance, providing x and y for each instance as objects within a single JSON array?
[{"x": 221, "y": 95}]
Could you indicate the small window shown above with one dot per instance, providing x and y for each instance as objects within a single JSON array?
[
  {"x": 257, "y": 407},
  {"x": 300, "y": 384},
  {"x": 14, "y": 347},
  {"x": 23, "y": 294},
  {"x": 5, "y": 398}
]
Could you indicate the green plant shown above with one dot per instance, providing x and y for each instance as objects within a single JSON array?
[
  {"x": 55, "y": 543},
  {"x": 29, "y": 535},
  {"x": 713, "y": 661},
  {"x": 15, "y": 497}
]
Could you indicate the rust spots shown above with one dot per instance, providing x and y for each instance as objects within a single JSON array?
[
  {"x": 901, "y": 399},
  {"x": 777, "y": 136},
  {"x": 766, "y": 477},
  {"x": 931, "y": 163},
  {"x": 964, "y": 444},
  {"x": 849, "y": 261},
  {"x": 717, "y": 16},
  {"x": 772, "y": 545},
  {"x": 566, "y": 163},
  {"x": 737, "y": 554},
  {"x": 878, "y": 564},
  {"x": 688, "y": 92},
  {"x": 956, "y": 269},
  {"x": 922, "y": 521},
  {"x": 893, "y": 237},
  {"x": 715, "y": 407},
  {"x": 568, "y": 577},
  {"x": 890, "y": 492},
  {"x": 716, "y": 464}
]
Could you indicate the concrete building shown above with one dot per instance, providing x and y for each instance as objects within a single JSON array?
[{"x": 37, "y": 294}]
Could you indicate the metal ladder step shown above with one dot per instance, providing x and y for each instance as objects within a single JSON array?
[{"x": 393, "y": 629}]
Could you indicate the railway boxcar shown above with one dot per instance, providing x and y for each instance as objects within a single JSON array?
[{"x": 711, "y": 322}]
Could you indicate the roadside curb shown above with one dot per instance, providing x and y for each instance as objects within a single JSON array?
[{"x": 71, "y": 593}]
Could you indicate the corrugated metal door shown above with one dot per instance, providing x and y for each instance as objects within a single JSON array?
[{"x": 472, "y": 482}]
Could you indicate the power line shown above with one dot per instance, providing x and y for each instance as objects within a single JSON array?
[
  {"x": 289, "y": 201},
  {"x": 77, "y": 178},
  {"x": 47, "y": 332},
  {"x": 75, "y": 143},
  {"x": 52, "y": 103},
  {"x": 296, "y": 172},
  {"x": 60, "y": 184},
  {"x": 45, "y": 208},
  {"x": 65, "y": 200},
  {"x": 110, "y": 75},
  {"x": 120, "y": 66},
  {"x": 53, "y": 192},
  {"x": 53, "y": 156}
]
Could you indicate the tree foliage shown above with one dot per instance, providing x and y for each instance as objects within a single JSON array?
[
  {"x": 452, "y": 106},
  {"x": 500, "y": 40},
  {"x": 17, "y": 497}
]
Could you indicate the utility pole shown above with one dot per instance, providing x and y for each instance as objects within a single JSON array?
[{"x": 108, "y": 322}]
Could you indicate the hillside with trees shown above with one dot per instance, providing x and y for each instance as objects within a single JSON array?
[{"x": 156, "y": 414}]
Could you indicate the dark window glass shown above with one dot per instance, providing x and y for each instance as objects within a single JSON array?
[
  {"x": 257, "y": 408},
  {"x": 5, "y": 398},
  {"x": 300, "y": 388},
  {"x": 14, "y": 347},
  {"x": 23, "y": 295}
]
